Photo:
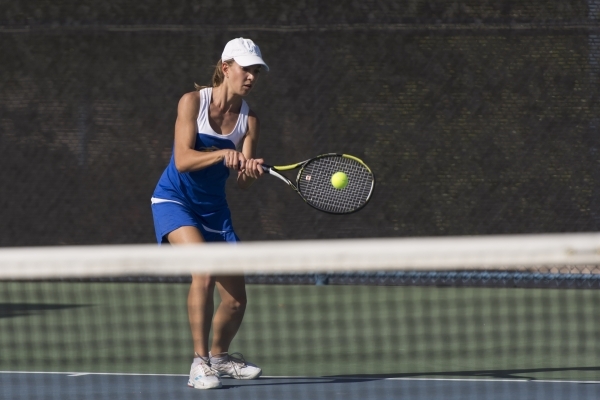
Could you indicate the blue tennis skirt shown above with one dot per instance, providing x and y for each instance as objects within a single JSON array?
[{"x": 170, "y": 215}]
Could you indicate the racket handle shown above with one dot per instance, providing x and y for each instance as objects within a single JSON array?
[{"x": 265, "y": 167}]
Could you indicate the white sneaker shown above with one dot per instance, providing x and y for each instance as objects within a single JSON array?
[
  {"x": 202, "y": 376},
  {"x": 235, "y": 367}
]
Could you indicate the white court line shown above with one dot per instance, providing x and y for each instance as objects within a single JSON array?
[
  {"x": 490, "y": 380},
  {"x": 76, "y": 374},
  {"x": 86, "y": 373}
]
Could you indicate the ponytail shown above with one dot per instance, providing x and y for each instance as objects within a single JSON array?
[{"x": 218, "y": 76}]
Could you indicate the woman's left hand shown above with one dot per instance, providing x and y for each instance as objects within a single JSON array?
[{"x": 253, "y": 168}]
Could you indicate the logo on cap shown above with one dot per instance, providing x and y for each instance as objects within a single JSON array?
[{"x": 249, "y": 45}]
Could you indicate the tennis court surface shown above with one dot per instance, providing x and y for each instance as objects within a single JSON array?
[
  {"x": 68, "y": 386},
  {"x": 377, "y": 319}
]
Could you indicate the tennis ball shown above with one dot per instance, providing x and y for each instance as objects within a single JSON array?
[{"x": 339, "y": 180}]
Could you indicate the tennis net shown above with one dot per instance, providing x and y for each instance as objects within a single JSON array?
[{"x": 445, "y": 317}]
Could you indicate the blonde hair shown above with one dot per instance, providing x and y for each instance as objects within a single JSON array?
[{"x": 218, "y": 76}]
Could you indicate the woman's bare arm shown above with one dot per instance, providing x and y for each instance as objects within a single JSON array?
[{"x": 186, "y": 158}]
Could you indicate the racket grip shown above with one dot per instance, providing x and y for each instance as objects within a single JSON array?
[{"x": 265, "y": 167}]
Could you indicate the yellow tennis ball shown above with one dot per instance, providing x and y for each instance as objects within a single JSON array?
[{"x": 339, "y": 180}]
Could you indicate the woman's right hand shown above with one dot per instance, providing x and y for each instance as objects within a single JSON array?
[{"x": 234, "y": 159}]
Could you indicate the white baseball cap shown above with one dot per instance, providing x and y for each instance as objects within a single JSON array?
[{"x": 244, "y": 52}]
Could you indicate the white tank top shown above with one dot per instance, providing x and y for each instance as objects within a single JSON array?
[{"x": 240, "y": 129}]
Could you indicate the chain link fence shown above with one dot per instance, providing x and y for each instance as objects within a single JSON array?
[{"x": 476, "y": 117}]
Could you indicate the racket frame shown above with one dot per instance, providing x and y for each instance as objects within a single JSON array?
[{"x": 275, "y": 169}]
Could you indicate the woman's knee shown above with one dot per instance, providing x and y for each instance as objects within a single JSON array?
[
  {"x": 235, "y": 305},
  {"x": 232, "y": 290}
]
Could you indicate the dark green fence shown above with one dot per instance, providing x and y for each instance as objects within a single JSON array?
[{"x": 476, "y": 117}]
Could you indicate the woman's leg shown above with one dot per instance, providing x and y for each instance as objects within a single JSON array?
[
  {"x": 229, "y": 315},
  {"x": 226, "y": 323},
  {"x": 200, "y": 297}
]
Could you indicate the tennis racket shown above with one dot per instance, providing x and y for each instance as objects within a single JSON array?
[{"x": 314, "y": 182}]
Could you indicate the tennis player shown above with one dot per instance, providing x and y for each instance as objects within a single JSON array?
[{"x": 215, "y": 132}]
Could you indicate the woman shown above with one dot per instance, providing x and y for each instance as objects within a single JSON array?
[{"x": 189, "y": 204}]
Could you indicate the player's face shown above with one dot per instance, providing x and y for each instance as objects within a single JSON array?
[{"x": 242, "y": 79}]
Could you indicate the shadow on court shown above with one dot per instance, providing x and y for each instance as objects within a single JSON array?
[
  {"x": 290, "y": 382},
  {"x": 9, "y": 310},
  {"x": 525, "y": 374}
]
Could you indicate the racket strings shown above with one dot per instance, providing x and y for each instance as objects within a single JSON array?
[{"x": 314, "y": 182}]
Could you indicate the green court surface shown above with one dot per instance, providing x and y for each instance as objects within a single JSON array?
[{"x": 309, "y": 330}]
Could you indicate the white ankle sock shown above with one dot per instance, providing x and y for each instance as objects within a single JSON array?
[
  {"x": 198, "y": 358},
  {"x": 219, "y": 358}
]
